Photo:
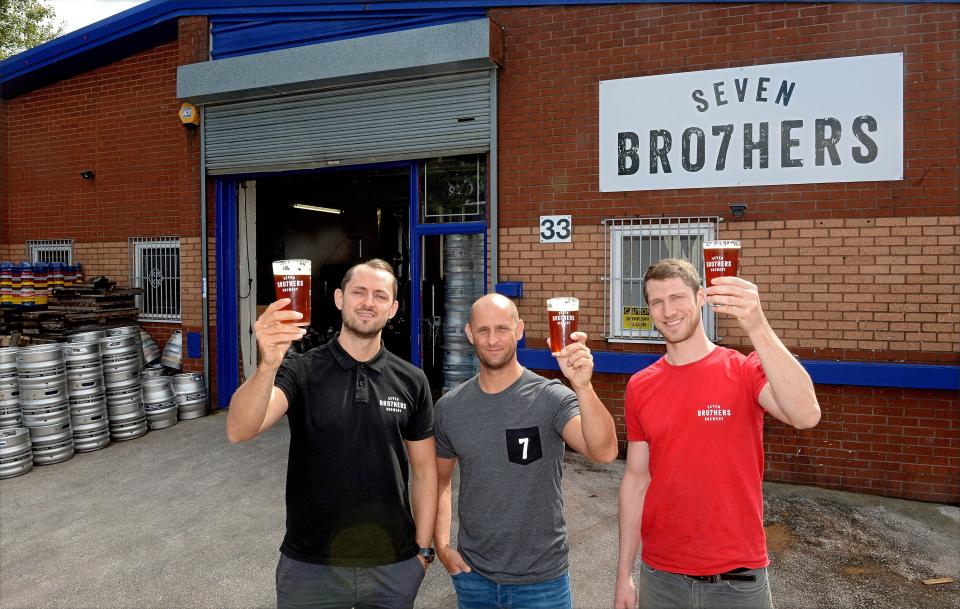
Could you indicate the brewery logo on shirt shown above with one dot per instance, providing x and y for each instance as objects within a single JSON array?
[
  {"x": 713, "y": 412},
  {"x": 393, "y": 404}
]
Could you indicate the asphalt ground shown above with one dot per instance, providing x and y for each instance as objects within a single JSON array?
[{"x": 180, "y": 518}]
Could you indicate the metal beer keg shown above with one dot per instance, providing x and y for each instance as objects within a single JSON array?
[
  {"x": 94, "y": 336},
  {"x": 52, "y": 443},
  {"x": 151, "y": 351},
  {"x": 8, "y": 362},
  {"x": 128, "y": 426},
  {"x": 173, "y": 351},
  {"x": 131, "y": 332},
  {"x": 191, "y": 395},
  {"x": 16, "y": 452},
  {"x": 90, "y": 431}
]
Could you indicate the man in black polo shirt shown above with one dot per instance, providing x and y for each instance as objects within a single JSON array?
[{"x": 357, "y": 413}]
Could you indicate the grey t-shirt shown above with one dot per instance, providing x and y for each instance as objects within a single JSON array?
[{"x": 510, "y": 453}]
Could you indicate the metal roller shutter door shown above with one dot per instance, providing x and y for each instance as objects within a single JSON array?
[{"x": 414, "y": 118}]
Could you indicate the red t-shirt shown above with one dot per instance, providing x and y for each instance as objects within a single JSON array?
[{"x": 703, "y": 512}]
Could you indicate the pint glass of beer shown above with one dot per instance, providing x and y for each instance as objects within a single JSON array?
[
  {"x": 562, "y": 314},
  {"x": 292, "y": 280},
  {"x": 720, "y": 259}
]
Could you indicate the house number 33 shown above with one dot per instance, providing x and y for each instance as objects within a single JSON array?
[{"x": 555, "y": 229}]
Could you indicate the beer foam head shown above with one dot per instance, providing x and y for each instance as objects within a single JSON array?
[
  {"x": 297, "y": 266},
  {"x": 721, "y": 245},
  {"x": 563, "y": 303}
]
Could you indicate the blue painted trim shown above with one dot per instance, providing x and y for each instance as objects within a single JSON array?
[
  {"x": 863, "y": 374},
  {"x": 609, "y": 362},
  {"x": 453, "y": 228},
  {"x": 228, "y": 339},
  {"x": 416, "y": 349}
]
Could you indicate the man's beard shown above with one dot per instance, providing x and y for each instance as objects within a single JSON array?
[
  {"x": 507, "y": 358},
  {"x": 359, "y": 331}
]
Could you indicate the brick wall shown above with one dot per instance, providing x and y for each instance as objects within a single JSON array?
[
  {"x": 855, "y": 272},
  {"x": 851, "y": 289},
  {"x": 120, "y": 121}
]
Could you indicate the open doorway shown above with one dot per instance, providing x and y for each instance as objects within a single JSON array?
[{"x": 336, "y": 219}]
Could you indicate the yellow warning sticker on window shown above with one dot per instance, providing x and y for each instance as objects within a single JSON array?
[{"x": 636, "y": 318}]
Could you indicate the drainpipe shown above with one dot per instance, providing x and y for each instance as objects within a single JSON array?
[
  {"x": 493, "y": 183},
  {"x": 205, "y": 302}
]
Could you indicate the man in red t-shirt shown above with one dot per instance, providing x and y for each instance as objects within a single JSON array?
[{"x": 692, "y": 485}]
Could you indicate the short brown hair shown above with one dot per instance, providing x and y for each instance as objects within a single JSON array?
[
  {"x": 376, "y": 264},
  {"x": 670, "y": 268}
]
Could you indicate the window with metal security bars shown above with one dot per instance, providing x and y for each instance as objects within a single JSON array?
[
  {"x": 50, "y": 250},
  {"x": 631, "y": 246},
  {"x": 155, "y": 264}
]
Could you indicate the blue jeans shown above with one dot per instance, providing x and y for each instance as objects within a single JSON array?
[
  {"x": 663, "y": 590},
  {"x": 475, "y": 591}
]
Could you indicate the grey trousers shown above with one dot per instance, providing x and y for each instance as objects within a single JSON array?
[
  {"x": 663, "y": 590},
  {"x": 302, "y": 585}
]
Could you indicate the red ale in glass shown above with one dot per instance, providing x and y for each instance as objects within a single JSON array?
[
  {"x": 562, "y": 315},
  {"x": 292, "y": 280},
  {"x": 720, "y": 259}
]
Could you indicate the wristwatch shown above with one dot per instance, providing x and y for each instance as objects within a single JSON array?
[{"x": 428, "y": 554}]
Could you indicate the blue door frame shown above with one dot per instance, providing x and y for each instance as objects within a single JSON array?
[{"x": 228, "y": 338}]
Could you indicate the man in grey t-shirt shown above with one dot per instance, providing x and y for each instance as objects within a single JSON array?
[{"x": 507, "y": 428}]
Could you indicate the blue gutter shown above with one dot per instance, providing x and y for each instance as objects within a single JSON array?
[{"x": 863, "y": 374}]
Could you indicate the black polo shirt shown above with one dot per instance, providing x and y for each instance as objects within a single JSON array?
[{"x": 347, "y": 486}]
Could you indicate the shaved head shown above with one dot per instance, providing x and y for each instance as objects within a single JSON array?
[
  {"x": 493, "y": 330},
  {"x": 495, "y": 302}
]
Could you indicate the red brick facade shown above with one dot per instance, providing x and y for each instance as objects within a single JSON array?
[{"x": 852, "y": 271}]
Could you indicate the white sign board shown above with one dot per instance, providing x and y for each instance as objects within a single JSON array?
[
  {"x": 829, "y": 120},
  {"x": 556, "y": 229}
]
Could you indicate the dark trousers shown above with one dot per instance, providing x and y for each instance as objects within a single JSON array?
[{"x": 302, "y": 585}]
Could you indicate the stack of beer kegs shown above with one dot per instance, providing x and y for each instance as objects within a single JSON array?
[
  {"x": 86, "y": 389},
  {"x": 16, "y": 454},
  {"x": 9, "y": 389},
  {"x": 42, "y": 376},
  {"x": 121, "y": 374},
  {"x": 461, "y": 263},
  {"x": 191, "y": 394}
]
